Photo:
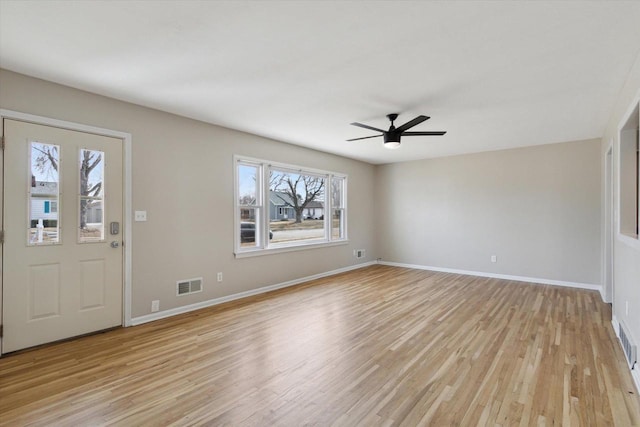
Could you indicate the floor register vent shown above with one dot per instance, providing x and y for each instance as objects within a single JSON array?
[
  {"x": 630, "y": 350},
  {"x": 189, "y": 286}
]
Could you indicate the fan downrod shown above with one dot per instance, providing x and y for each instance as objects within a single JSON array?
[{"x": 392, "y": 117}]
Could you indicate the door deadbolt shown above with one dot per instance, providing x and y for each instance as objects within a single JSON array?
[{"x": 114, "y": 228}]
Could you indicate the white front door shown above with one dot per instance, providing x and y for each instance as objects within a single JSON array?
[{"x": 62, "y": 254}]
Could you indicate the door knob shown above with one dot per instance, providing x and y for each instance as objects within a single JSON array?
[{"x": 115, "y": 244}]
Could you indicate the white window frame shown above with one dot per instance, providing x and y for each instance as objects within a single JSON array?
[
  {"x": 258, "y": 207},
  {"x": 263, "y": 245},
  {"x": 342, "y": 208},
  {"x": 632, "y": 240}
]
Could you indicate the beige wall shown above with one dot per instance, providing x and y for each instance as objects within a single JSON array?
[
  {"x": 626, "y": 269},
  {"x": 183, "y": 178},
  {"x": 536, "y": 209}
]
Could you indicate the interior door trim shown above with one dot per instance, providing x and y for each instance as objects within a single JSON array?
[{"x": 127, "y": 192}]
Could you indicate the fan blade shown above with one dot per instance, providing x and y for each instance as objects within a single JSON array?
[
  {"x": 412, "y": 123},
  {"x": 367, "y": 127},
  {"x": 436, "y": 133},
  {"x": 364, "y": 137}
]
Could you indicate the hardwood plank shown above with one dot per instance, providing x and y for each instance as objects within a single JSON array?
[{"x": 376, "y": 346}]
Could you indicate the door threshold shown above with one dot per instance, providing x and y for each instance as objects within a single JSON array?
[{"x": 53, "y": 343}]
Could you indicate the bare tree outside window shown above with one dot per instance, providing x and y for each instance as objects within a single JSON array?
[
  {"x": 46, "y": 163},
  {"x": 300, "y": 190},
  {"x": 89, "y": 160},
  {"x": 283, "y": 206},
  {"x": 46, "y": 159},
  {"x": 44, "y": 194}
]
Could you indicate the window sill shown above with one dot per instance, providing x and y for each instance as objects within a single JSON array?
[
  {"x": 630, "y": 240},
  {"x": 284, "y": 249}
]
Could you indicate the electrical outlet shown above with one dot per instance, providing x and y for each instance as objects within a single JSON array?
[
  {"x": 220, "y": 277},
  {"x": 155, "y": 305},
  {"x": 140, "y": 216},
  {"x": 494, "y": 258}
]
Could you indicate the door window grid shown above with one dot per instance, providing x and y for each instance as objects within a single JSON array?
[
  {"x": 44, "y": 194},
  {"x": 91, "y": 193}
]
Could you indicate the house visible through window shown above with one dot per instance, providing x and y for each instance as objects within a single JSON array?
[
  {"x": 283, "y": 206},
  {"x": 43, "y": 194},
  {"x": 50, "y": 206}
]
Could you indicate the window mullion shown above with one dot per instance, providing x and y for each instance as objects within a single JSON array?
[
  {"x": 266, "y": 203},
  {"x": 328, "y": 222}
]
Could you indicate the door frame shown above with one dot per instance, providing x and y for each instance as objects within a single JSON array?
[
  {"x": 609, "y": 224},
  {"x": 127, "y": 192}
]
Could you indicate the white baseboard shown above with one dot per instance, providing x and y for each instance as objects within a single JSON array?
[
  {"x": 635, "y": 373},
  {"x": 615, "y": 325},
  {"x": 588, "y": 286},
  {"x": 191, "y": 307}
]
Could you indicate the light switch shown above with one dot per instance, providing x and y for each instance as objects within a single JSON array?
[{"x": 140, "y": 215}]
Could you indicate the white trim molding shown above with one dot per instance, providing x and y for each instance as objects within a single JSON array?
[
  {"x": 608, "y": 211},
  {"x": 216, "y": 301},
  {"x": 588, "y": 286},
  {"x": 635, "y": 373},
  {"x": 631, "y": 241}
]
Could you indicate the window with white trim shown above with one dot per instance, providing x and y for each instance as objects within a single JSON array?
[
  {"x": 273, "y": 202},
  {"x": 338, "y": 211},
  {"x": 630, "y": 175}
]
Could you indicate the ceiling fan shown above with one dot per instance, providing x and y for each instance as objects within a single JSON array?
[{"x": 392, "y": 136}]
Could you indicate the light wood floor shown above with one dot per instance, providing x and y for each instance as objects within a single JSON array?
[{"x": 376, "y": 346}]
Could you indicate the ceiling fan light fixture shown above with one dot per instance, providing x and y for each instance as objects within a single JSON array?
[
  {"x": 391, "y": 140},
  {"x": 391, "y": 145}
]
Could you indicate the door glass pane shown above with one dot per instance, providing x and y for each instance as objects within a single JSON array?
[
  {"x": 91, "y": 196},
  {"x": 44, "y": 194}
]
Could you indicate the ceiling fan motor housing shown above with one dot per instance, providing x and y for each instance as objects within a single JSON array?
[{"x": 391, "y": 136}]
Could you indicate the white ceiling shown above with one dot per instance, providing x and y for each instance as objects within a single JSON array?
[{"x": 494, "y": 75}]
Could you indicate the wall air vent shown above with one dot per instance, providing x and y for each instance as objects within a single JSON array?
[
  {"x": 189, "y": 286},
  {"x": 630, "y": 349}
]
